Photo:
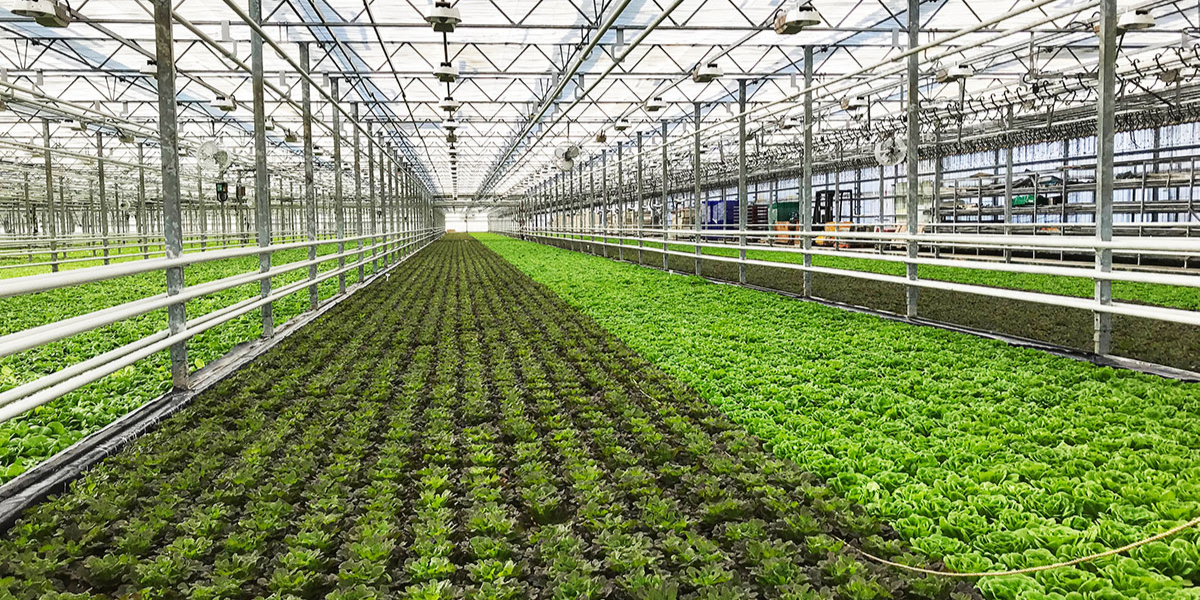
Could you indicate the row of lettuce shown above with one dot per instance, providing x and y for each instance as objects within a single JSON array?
[
  {"x": 985, "y": 455},
  {"x": 1187, "y": 298}
]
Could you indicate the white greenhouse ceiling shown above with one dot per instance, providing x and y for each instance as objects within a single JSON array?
[{"x": 512, "y": 54}]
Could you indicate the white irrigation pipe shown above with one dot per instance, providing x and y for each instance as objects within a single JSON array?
[
  {"x": 1184, "y": 317},
  {"x": 30, "y": 284},
  {"x": 988, "y": 265},
  {"x": 8, "y": 242},
  {"x": 51, "y": 332},
  {"x": 13, "y": 405},
  {"x": 189, "y": 248},
  {"x": 18, "y": 249},
  {"x": 1125, "y": 243}
]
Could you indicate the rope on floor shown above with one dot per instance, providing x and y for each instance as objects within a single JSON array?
[{"x": 1166, "y": 534}]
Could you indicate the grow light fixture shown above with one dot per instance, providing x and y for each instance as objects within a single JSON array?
[
  {"x": 794, "y": 20},
  {"x": 446, "y": 73},
  {"x": 707, "y": 73},
  {"x": 125, "y": 137},
  {"x": 270, "y": 125},
  {"x": 655, "y": 104},
  {"x": 601, "y": 138},
  {"x": 290, "y": 137},
  {"x": 1136, "y": 20},
  {"x": 954, "y": 73},
  {"x": 449, "y": 104},
  {"x": 77, "y": 125},
  {"x": 317, "y": 151},
  {"x": 622, "y": 125},
  {"x": 150, "y": 69},
  {"x": 792, "y": 123},
  {"x": 444, "y": 16},
  {"x": 47, "y": 13},
  {"x": 224, "y": 102},
  {"x": 450, "y": 124}
]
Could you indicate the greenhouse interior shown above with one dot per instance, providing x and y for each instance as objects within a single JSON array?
[{"x": 599, "y": 300}]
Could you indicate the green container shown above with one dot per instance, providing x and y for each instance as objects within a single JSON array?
[{"x": 784, "y": 212}]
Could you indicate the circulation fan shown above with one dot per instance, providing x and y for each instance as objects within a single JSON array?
[
  {"x": 890, "y": 151},
  {"x": 212, "y": 156},
  {"x": 566, "y": 156}
]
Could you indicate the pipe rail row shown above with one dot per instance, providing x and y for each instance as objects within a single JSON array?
[
  {"x": 687, "y": 238},
  {"x": 191, "y": 245},
  {"x": 630, "y": 240},
  {"x": 392, "y": 248}
]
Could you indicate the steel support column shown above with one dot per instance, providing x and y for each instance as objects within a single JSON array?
[
  {"x": 51, "y": 218},
  {"x": 164, "y": 44},
  {"x": 806, "y": 192},
  {"x": 384, "y": 212},
  {"x": 742, "y": 191},
  {"x": 696, "y": 191},
  {"x": 375, "y": 212},
  {"x": 620, "y": 199},
  {"x": 1105, "y": 134},
  {"x": 913, "y": 162},
  {"x": 30, "y": 213},
  {"x": 104, "y": 231},
  {"x": 339, "y": 207},
  {"x": 201, "y": 210},
  {"x": 262, "y": 190},
  {"x": 310, "y": 192},
  {"x": 936, "y": 210},
  {"x": 1008, "y": 189},
  {"x": 358, "y": 203},
  {"x": 604, "y": 193},
  {"x": 641, "y": 204},
  {"x": 666, "y": 220},
  {"x": 592, "y": 205}
]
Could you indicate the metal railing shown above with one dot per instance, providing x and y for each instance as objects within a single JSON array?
[
  {"x": 389, "y": 248},
  {"x": 633, "y": 239},
  {"x": 20, "y": 253}
]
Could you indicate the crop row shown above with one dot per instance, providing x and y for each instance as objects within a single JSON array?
[
  {"x": 1080, "y": 287},
  {"x": 985, "y": 455},
  {"x": 1133, "y": 337},
  {"x": 29, "y": 439},
  {"x": 454, "y": 432}
]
